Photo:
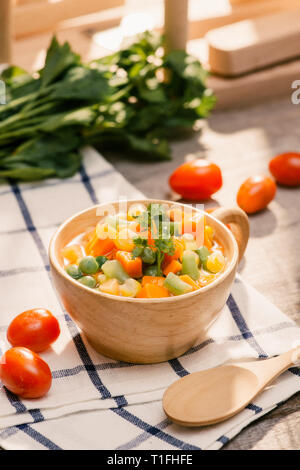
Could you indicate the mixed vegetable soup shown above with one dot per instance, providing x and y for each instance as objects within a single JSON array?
[{"x": 148, "y": 252}]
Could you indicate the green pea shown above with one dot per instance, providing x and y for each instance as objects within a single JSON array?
[
  {"x": 137, "y": 251},
  {"x": 73, "y": 271},
  {"x": 88, "y": 265},
  {"x": 151, "y": 271},
  {"x": 101, "y": 260},
  {"x": 148, "y": 255},
  {"x": 88, "y": 281}
]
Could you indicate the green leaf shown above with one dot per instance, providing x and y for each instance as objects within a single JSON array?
[
  {"x": 80, "y": 117},
  {"x": 156, "y": 95},
  {"x": 14, "y": 74},
  {"x": 84, "y": 84},
  {"x": 59, "y": 58},
  {"x": 157, "y": 148},
  {"x": 27, "y": 173},
  {"x": 121, "y": 101},
  {"x": 61, "y": 165},
  {"x": 186, "y": 66}
]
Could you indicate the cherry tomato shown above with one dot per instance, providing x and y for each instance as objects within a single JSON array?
[
  {"x": 196, "y": 180},
  {"x": 256, "y": 193},
  {"x": 286, "y": 168},
  {"x": 34, "y": 329},
  {"x": 25, "y": 373}
]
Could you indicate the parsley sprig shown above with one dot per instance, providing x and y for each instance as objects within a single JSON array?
[{"x": 157, "y": 221}]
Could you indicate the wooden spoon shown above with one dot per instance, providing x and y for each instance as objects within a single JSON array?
[{"x": 216, "y": 394}]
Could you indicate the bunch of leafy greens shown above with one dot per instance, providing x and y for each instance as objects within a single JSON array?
[
  {"x": 155, "y": 221},
  {"x": 131, "y": 100}
]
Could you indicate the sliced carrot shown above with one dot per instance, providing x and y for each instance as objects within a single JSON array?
[
  {"x": 133, "y": 266},
  {"x": 112, "y": 254},
  {"x": 92, "y": 239},
  {"x": 156, "y": 291},
  {"x": 142, "y": 294},
  {"x": 207, "y": 240},
  {"x": 151, "y": 291},
  {"x": 179, "y": 248},
  {"x": 72, "y": 253},
  {"x": 156, "y": 280},
  {"x": 100, "y": 247},
  {"x": 173, "y": 267},
  {"x": 186, "y": 278}
]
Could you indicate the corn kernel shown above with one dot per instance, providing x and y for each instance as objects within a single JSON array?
[
  {"x": 130, "y": 288},
  {"x": 110, "y": 287},
  {"x": 100, "y": 278},
  {"x": 215, "y": 262},
  {"x": 209, "y": 231}
]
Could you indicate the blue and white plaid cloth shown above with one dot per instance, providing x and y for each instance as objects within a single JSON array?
[{"x": 95, "y": 402}]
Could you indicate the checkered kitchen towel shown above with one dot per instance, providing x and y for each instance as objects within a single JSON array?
[{"x": 95, "y": 402}]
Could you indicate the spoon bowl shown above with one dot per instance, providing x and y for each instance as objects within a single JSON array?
[{"x": 210, "y": 394}]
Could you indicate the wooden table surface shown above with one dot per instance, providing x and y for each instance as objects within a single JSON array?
[{"x": 242, "y": 143}]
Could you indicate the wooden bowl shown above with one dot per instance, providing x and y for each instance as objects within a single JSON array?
[{"x": 146, "y": 330}]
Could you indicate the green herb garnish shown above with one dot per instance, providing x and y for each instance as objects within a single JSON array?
[{"x": 155, "y": 219}]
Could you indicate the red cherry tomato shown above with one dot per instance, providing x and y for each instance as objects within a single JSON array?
[
  {"x": 196, "y": 180},
  {"x": 34, "y": 329},
  {"x": 256, "y": 193},
  {"x": 286, "y": 168},
  {"x": 25, "y": 373}
]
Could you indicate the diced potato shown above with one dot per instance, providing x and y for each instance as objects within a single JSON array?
[
  {"x": 73, "y": 253},
  {"x": 130, "y": 288},
  {"x": 110, "y": 287},
  {"x": 100, "y": 278}
]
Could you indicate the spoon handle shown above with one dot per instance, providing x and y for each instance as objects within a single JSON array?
[{"x": 269, "y": 369}]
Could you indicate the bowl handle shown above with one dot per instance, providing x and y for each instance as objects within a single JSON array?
[{"x": 239, "y": 225}]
